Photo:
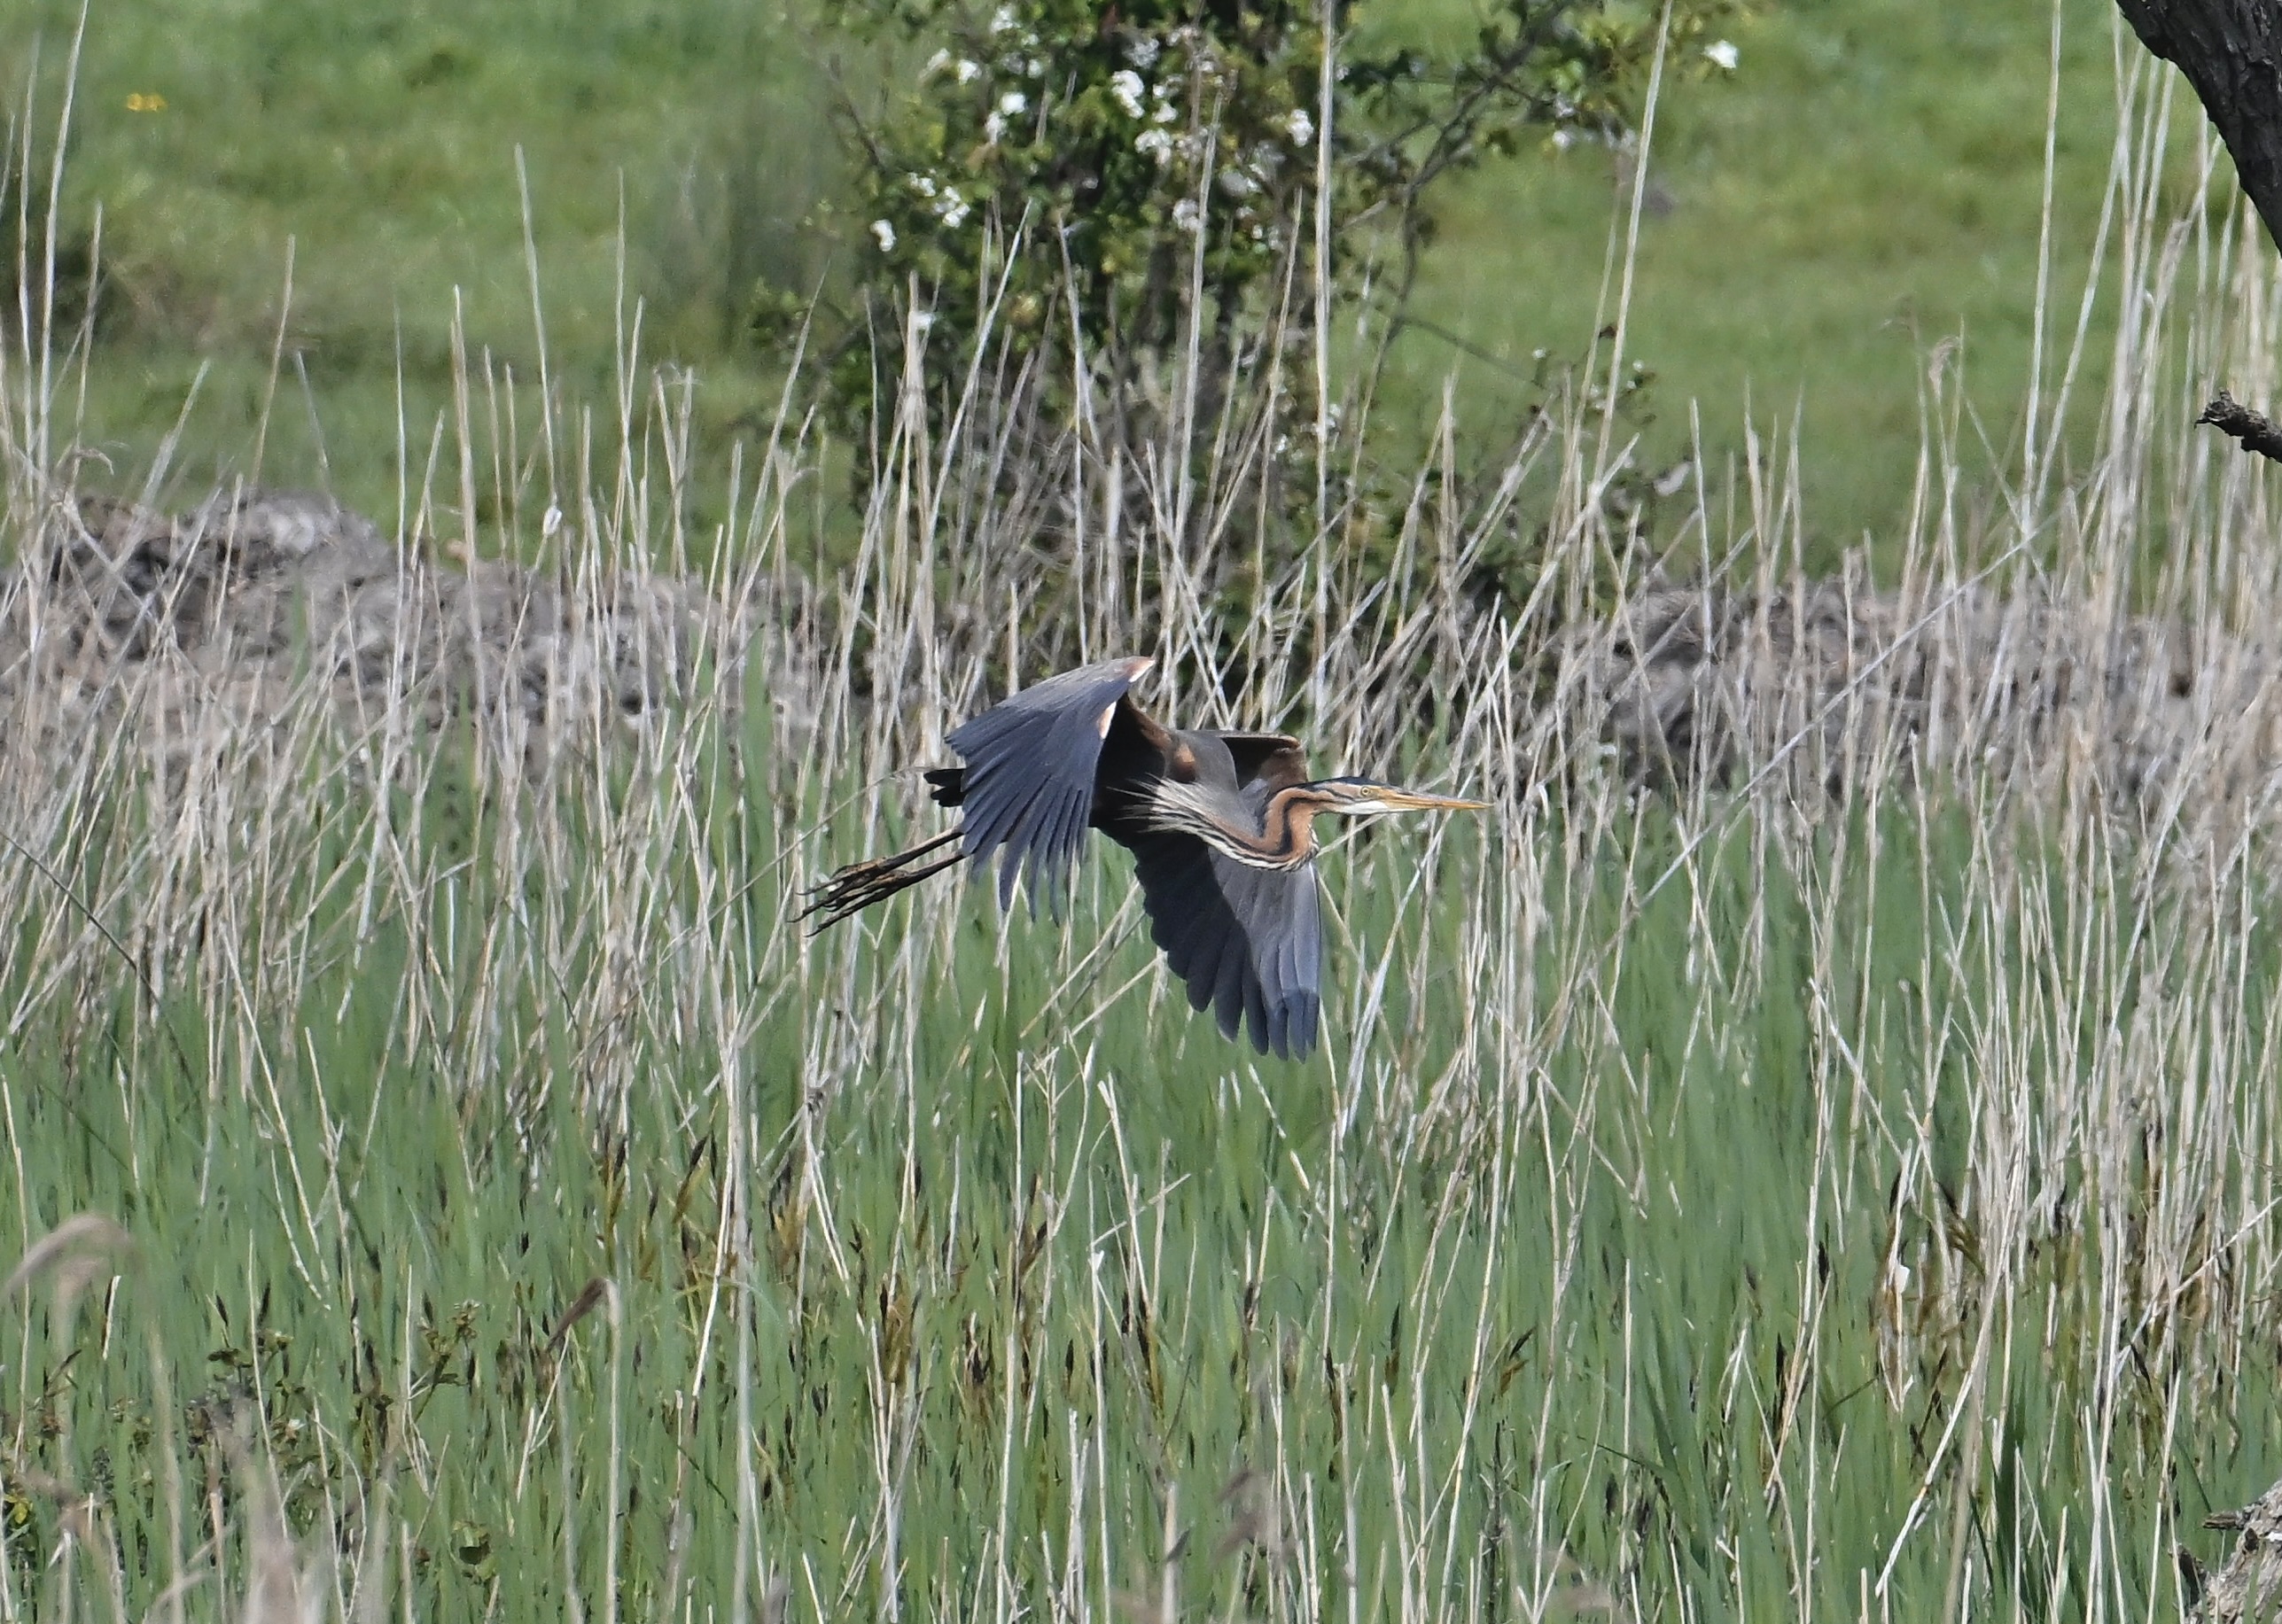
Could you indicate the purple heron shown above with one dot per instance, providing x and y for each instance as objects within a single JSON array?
[{"x": 1221, "y": 826}]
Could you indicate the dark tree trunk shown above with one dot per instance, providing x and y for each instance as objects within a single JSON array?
[{"x": 2231, "y": 51}]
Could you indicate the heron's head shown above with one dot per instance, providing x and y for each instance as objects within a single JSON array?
[{"x": 1361, "y": 797}]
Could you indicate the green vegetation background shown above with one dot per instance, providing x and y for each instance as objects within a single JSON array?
[{"x": 1866, "y": 183}]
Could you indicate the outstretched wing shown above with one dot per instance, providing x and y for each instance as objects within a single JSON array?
[
  {"x": 1247, "y": 941},
  {"x": 1027, "y": 789}
]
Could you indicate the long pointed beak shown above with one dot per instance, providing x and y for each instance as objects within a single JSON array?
[{"x": 1408, "y": 800}]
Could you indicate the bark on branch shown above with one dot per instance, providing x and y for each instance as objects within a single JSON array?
[
  {"x": 2255, "y": 429},
  {"x": 2231, "y": 51}
]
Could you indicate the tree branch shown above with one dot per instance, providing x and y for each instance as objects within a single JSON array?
[
  {"x": 2256, "y": 430},
  {"x": 2231, "y": 51}
]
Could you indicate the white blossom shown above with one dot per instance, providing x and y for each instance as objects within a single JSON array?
[
  {"x": 1186, "y": 216},
  {"x": 1014, "y": 104},
  {"x": 1302, "y": 128},
  {"x": 1565, "y": 138},
  {"x": 1236, "y": 183},
  {"x": 1722, "y": 54},
  {"x": 1003, "y": 20},
  {"x": 994, "y": 125},
  {"x": 969, "y": 72},
  {"x": 951, "y": 208},
  {"x": 886, "y": 235},
  {"x": 923, "y": 185},
  {"x": 1125, "y": 85},
  {"x": 1155, "y": 143},
  {"x": 1142, "y": 51},
  {"x": 937, "y": 63}
]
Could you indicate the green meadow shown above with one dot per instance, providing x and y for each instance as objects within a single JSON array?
[
  {"x": 339, "y": 203},
  {"x": 436, "y": 1188}
]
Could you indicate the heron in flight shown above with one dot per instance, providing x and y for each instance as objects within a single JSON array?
[{"x": 1221, "y": 826}]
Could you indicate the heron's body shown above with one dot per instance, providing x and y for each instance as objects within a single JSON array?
[{"x": 1221, "y": 826}]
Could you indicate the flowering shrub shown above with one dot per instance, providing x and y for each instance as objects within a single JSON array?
[
  {"x": 1101, "y": 180},
  {"x": 1115, "y": 144},
  {"x": 1099, "y": 154}
]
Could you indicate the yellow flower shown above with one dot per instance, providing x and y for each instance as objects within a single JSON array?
[{"x": 146, "y": 101}]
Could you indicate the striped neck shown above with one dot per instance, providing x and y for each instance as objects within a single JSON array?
[
  {"x": 1286, "y": 837},
  {"x": 1287, "y": 829}
]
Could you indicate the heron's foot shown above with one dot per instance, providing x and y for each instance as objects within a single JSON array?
[{"x": 852, "y": 889}]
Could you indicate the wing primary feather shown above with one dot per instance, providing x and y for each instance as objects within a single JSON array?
[
  {"x": 1076, "y": 813},
  {"x": 1036, "y": 857},
  {"x": 1256, "y": 1014},
  {"x": 1029, "y": 772}
]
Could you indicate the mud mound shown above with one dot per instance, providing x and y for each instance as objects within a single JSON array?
[
  {"x": 1826, "y": 689},
  {"x": 230, "y": 616},
  {"x": 213, "y": 628}
]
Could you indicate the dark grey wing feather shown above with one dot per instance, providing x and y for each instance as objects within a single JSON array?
[
  {"x": 1248, "y": 942},
  {"x": 1267, "y": 760},
  {"x": 1027, "y": 789}
]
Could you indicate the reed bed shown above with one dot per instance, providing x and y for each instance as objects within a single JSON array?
[{"x": 1813, "y": 1163}]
